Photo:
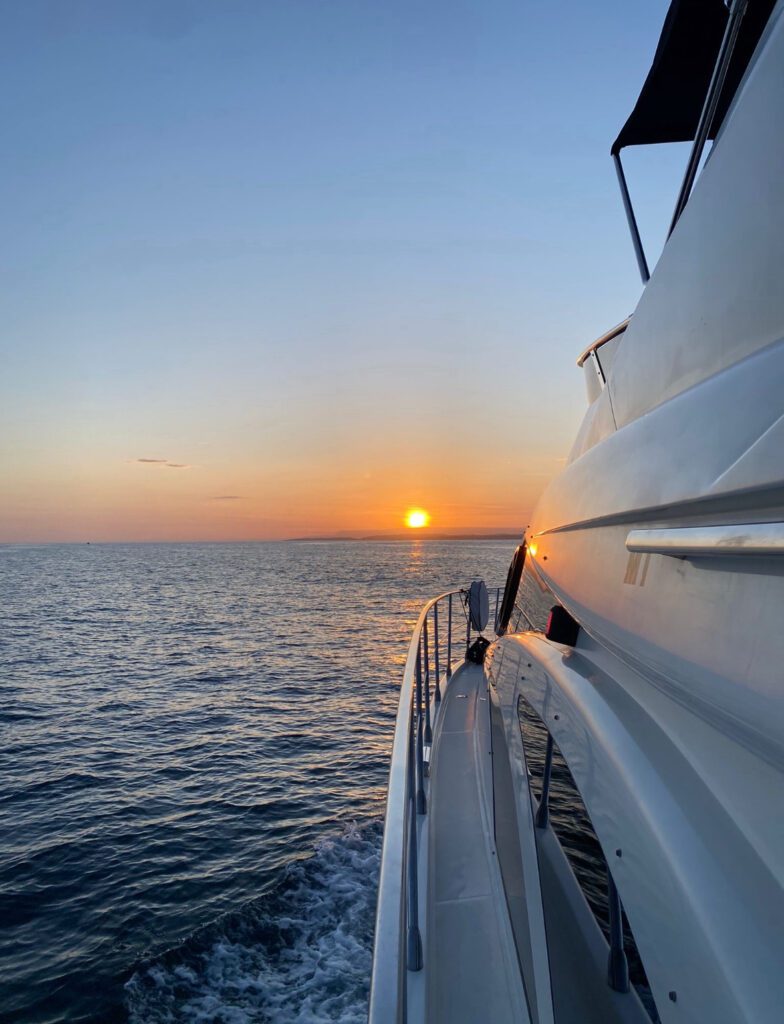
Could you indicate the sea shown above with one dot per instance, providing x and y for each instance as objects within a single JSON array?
[{"x": 194, "y": 745}]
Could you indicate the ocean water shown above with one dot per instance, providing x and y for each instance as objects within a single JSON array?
[{"x": 193, "y": 769}]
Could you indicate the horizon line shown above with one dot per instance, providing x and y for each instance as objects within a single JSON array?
[{"x": 408, "y": 536}]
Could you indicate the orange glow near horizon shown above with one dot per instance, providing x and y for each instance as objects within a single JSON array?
[
  {"x": 106, "y": 493},
  {"x": 417, "y": 518}
]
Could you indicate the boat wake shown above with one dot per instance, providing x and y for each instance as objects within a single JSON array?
[{"x": 300, "y": 954}]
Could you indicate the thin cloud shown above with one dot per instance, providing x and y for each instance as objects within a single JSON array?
[
  {"x": 164, "y": 463},
  {"x": 227, "y": 497}
]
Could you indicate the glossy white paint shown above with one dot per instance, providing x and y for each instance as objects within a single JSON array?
[
  {"x": 694, "y": 877},
  {"x": 671, "y": 709}
]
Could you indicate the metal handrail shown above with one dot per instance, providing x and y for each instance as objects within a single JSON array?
[
  {"x": 397, "y": 896},
  {"x": 397, "y": 910},
  {"x": 596, "y": 345}
]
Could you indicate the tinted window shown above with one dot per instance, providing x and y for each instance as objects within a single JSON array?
[{"x": 533, "y": 603}]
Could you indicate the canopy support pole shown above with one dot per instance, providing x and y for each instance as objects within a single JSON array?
[{"x": 639, "y": 252}]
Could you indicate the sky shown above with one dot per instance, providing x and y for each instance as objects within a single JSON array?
[{"x": 275, "y": 269}]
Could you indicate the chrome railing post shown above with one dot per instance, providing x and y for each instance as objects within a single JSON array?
[
  {"x": 449, "y": 641},
  {"x": 468, "y": 625},
  {"x": 495, "y": 617},
  {"x": 617, "y": 964},
  {"x": 420, "y": 752},
  {"x": 543, "y": 810},
  {"x": 414, "y": 939},
  {"x": 723, "y": 58},
  {"x": 428, "y": 727},
  {"x": 435, "y": 644}
]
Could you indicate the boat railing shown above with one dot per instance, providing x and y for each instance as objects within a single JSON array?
[
  {"x": 617, "y": 964},
  {"x": 441, "y": 639}
]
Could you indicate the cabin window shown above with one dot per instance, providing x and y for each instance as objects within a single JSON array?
[
  {"x": 533, "y": 602},
  {"x": 572, "y": 825}
]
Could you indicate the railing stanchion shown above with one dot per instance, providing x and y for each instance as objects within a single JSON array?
[
  {"x": 495, "y": 617},
  {"x": 468, "y": 625},
  {"x": 449, "y": 641},
  {"x": 435, "y": 645},
  {"x": 428, "y": 727},
  {"x": 414, "y": 939},
  {"x": 420, "y": 752},
  {"x": 617, "y": 964},
  {"x": 543, "y": 810}
]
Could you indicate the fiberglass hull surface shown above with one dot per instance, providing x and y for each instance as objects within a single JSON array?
[{"x": 674, "y": 695}]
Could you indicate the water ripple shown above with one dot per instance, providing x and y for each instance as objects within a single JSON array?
[{"x": 186, "y": 730}]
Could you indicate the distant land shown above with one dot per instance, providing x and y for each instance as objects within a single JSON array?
[{"x": 409, "y": 535}]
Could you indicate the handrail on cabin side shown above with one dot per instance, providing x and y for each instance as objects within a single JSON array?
[{"x": 596, "y": 345}]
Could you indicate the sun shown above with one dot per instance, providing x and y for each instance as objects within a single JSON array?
[{"x": 416, "y": 518}]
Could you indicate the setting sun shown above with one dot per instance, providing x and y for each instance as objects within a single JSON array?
[{"x": 416, "y": 518}]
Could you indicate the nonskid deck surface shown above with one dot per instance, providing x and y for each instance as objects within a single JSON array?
[{"x": 472, "y": 969}]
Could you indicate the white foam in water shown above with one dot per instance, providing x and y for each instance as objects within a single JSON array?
[{"x": 301, "y": 956}]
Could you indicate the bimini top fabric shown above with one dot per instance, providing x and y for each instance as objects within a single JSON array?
[{"x": 671, "y": 101}]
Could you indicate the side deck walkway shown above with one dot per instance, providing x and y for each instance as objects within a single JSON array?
[{"x": 474, "y": 974}]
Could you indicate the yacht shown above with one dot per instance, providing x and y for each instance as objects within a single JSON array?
[{"x": 585, "y": 814}]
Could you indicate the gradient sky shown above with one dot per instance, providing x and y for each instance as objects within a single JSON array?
[{"x": 284, "y": 268}]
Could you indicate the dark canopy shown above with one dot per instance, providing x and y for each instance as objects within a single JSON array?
[{"x": 673, "y": 95}]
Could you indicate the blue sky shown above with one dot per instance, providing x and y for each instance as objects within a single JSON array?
[{"x": 317, "y": 256}]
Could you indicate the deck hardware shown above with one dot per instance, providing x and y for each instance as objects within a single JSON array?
[
  {"x": 414, "y": 938},
  {"x": 435, "y": 644},
  {"x": 673, "y": 996},
  {"x": 617, "y": 964},
  {"x": 556, "y": 717},
  {"x": 543, "y": 810},
  {"x": 618, "y": 853},
  {"x": 428, "y": 726}
]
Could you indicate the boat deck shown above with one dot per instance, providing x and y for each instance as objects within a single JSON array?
[{"x": 474, "y": 973}]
